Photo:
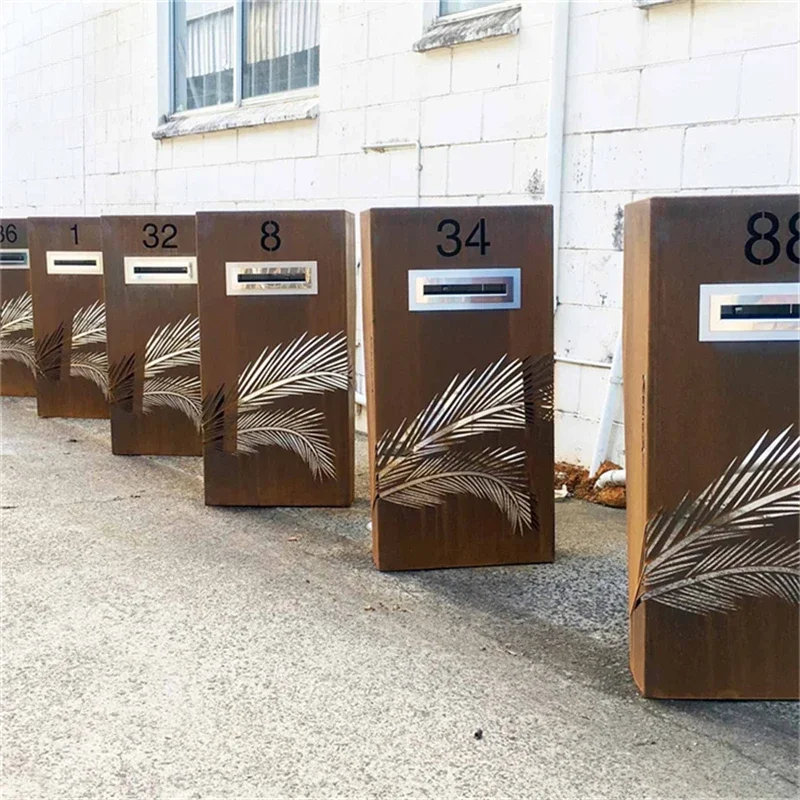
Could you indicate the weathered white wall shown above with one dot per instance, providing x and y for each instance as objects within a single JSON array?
[{"x": 692, "y": 96}]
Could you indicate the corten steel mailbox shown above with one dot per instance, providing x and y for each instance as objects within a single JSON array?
[
  {"x": 17, "y": 355},
  {"x": 69, "y": 316},
  {"x": 458, "y": 324},
  {"x": 153, "y": 334},
  {"x": 277, "y": 316},
  {"x": 711, "y": 353}
]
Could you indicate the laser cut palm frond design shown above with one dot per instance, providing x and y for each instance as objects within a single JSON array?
[
  {"x": 300, "y": 430},
  {"x": 419, "y": 463},
  {"x": 89, "y": 325},
  {"x": 173, "y": 345},
  {"x": 729, "y": 574},
  {"x": 16, "y": 314},
  {"x": 303, "y": 366},
  {"x": 90, "y": 365},
  {"x": 213, "y": 419},
  {"x": 711, "y": 553},
  {"x": 307, "y": 365},
  {"x": 19, "y": 349},
  {"x": 121, "y": 383},
  {"x": 491, "y": 400},
  {"x": 497, "y": 475},
  {"x": 179, "y": 392},
  {"x": 49, "y": 351},
  {"x": 539, "y": 389}
]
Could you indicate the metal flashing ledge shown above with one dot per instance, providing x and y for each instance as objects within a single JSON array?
[
  {"x": 447, "y": 32},
  {"x": 241, "y": 117}
]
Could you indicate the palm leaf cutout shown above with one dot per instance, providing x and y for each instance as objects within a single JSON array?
[
  {"x": 539, "y": 394},
  {"x": 48, "y": 353},
  {"x": 497, "y": 475},
  {"x": 476, "y": 403},
  {"x": 91, "y": 365},
  {"x": 731, "y": 573},
  {"x": 302, "y": 431},
  {"x": 179, "y": 392},
  {"x": 89, "y": 325},
  {"x": 16, "y": 314},
  {"x": 173, "y": 345},
  {"x": 746, "y": 500},
  {"x": 303, "y": 366},
  {"x": 120, "y": 382},
  {"x": 19, "y": 349},
  {"x": 213, "y": 419}
]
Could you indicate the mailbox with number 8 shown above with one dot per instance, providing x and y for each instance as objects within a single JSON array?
[
  {"x": 277, "y": 328},
  {"x": 153, "y": 335},
  {"x": 711, "y": 332},
  {"x": 17, "y": 355},
  {"x": 458, "y": 326}
]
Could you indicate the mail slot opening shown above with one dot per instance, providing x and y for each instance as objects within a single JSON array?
[
  {"x": 464, "y": 288},
  {"x": 276, "y": 277},
  {"x": 156, "y": 270},
  {"x": 13, "y": 258},
  {"x": 75, "y": 262},
  {"x": 761, "y": 311}
]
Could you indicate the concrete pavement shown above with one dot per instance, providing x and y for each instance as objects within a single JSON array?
[{"x": 156, "y": 648}]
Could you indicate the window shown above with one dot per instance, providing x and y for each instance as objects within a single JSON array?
[
  {"x": 228, "y": 50},
  {"x": 456, "y": 6}
]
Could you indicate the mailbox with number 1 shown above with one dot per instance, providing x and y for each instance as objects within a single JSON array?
[
  {"x": 153, "y": 334},
  {"x": 711, "y": 332},
  {"x": 69, "y": 316},
  {"x": 277, "y": 327},
  {"x": 458, "y": 321}
]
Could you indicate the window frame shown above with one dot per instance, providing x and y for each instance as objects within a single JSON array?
[
  {"x": 481, "y": 11},
  {"x": 167, "y": 62}
]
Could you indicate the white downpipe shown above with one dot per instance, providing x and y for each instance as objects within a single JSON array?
[
  {"x": 555, "y": 126},
  {"x": 582, "y": 362},
  {"x": 607, "y": 417},
  {"x": 614, "y": 477}
]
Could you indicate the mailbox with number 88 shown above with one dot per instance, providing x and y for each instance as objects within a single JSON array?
[
  {"x": 458, "y": 326},
  {"x": 711, "y": 331},
  {"x": 277, "y": 328},
  {"x": 153, "y": 334}
]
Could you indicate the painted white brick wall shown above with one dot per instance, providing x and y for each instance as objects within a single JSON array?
[{"x": 695, "y": 96}]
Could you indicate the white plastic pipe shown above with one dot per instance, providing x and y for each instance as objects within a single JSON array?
[
  {"x": 555, "y": 126},
  {"x": 614, "y": 477},
  {"x": 610, "y": 405}
]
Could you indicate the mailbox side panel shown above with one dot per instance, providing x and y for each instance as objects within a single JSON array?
[
  {"x": 153, "y": 336},
  {"x": 68, "y": 321},
  {"x": 721, "y": 616},
  {"x": 277, "y": 368},
  {"x": 17, "y": 355},
  {"x": 635, "y": 349},
  {"x": 459, "y": 476}
]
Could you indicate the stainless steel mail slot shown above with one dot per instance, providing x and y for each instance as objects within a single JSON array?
[
  {"x": 749, "y": 312},
  {"x": 165, "y": 269},
  {"x": 70, "y": 262},
  {"x": 271, "y": 277},
  {"x": 14, "y": 259},
  {"x": 489, "y": 289}
]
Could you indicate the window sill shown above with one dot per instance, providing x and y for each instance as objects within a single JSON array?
[
  {"x": 446, "y": 32},
  {"x": 246, "y": 116}
]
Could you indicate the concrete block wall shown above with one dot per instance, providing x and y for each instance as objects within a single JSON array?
[{"x": 686, "y": 97}]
